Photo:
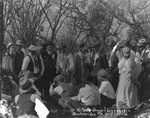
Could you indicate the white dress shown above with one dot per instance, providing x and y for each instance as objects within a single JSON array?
[{"x": 127, "y": 91}]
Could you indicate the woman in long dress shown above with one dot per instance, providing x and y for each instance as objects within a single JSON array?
[{"x": 127, "y": 89}]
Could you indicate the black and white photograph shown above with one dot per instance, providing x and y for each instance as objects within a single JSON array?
[{"x": 74, "y": 58}]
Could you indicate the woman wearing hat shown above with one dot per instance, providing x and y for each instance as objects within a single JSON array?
[
  {"x": 127, "y": 89},
  {"x": 108, "y": 96},
  {"x": 25, "y": 101}
]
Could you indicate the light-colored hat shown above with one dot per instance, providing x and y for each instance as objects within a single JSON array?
[
  {"x": 25, "y": 84},
  {"x": 19, "y": 42},
  {"x": 10, "y": 44},
  {"x": 58, "y": 47},
  {"x": 39, "y": 47},
  {"x": 141, "y": 42},
  {"x": 58, "y": 77},
  {"x": 33, "y": 48},
  {"x": 103, "y": 74}
]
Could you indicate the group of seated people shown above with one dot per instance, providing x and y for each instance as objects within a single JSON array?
[
  {"x": 70, "y": 97},
  {"x": 88, "y": 96}
]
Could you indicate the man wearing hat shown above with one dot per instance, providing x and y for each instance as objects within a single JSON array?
[
  {"x": 127, "y": 87},
  {"x": 108, "y": 96},
  {"x": 141, "y": 48},
  {"x": 58, "y": 49},
  {"x": 78, "y": 62},
  {"x": 33, "y": 62},
  {"x": 10, "y": 61},
  {"x": 49, "y": 57},
  {"x": 65, "y": 64},
  {"x": 25, "y": 101},
  {"x": 145, "y": 57},
  {"x": 19, "y": 55},
  {"x": 63, "y": 89}
]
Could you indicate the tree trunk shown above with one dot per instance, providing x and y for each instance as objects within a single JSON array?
[{"x": 1, "y": 44}]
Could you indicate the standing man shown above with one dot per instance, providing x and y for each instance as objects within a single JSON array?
[
  {"x": 65, "y": 64},
  {"x": 9, "y": 61},
  {"x": 33, "y": 62},
  {"x": 49, "y": 57},
  {"x": 19, "y": 55},
  {"x": 79, "y": 67}
]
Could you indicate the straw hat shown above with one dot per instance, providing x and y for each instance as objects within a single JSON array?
[
  {"x": 141, "y": 42},
  {"x": 19, "y": 42},
  {"x": 25, "y": 84},
  {"x": 33, "y": 48},
  {"x": 10, "y": 44},
  {"x": 48, "y": 43}
]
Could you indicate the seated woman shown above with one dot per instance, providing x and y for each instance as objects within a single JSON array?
[
  {"x": 106, "y": 90},
  {"x": 88, "y": 96}
]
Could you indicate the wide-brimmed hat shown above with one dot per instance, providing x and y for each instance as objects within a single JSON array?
[
  {"x": 141, "y": 42},
  {"x": 25, "y": 84},
  {"x": 103, "y": 74},
  {"x": 10, "y": 44},
  {"x": 49, "y": 43},
  {"x": 58, "y": 77},
  {"x": 19, "y": 42},
  {"x": 33, "y": 48}
]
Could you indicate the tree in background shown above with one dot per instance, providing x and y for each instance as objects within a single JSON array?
[
  {"x": 56, "y": 16},
  {"x": 73, "y": 20},
  {"x": 135, "y": 14},
  {"x": 24, "y": 19},
  {"x": 95, "y": 20}
]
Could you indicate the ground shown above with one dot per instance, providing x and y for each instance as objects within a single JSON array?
[{"x": 57, "y": 112}]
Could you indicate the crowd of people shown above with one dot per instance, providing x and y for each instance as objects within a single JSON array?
[{"x": 90, "y": 77}]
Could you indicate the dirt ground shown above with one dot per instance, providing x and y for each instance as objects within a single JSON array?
[{"x": 57, "y": 111}]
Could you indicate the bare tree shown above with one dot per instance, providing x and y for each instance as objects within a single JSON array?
[
  {"x": 95, "y": 20},
  {"x": 133, "y": 13},
  {"x": 56, "y": 15},
  {"x": 24, "y": 19}
]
